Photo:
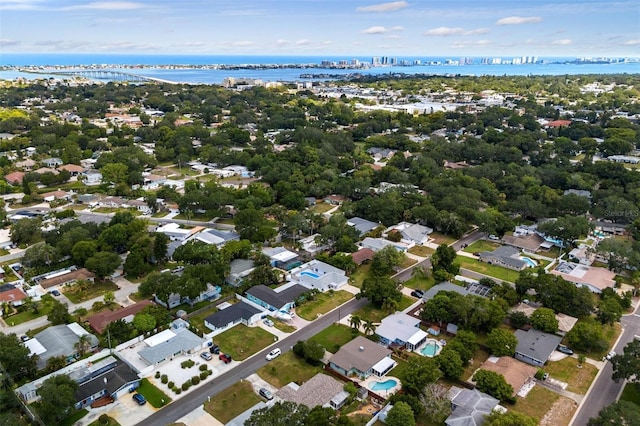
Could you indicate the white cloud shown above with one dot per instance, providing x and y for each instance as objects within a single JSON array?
[
  {"x": 303, "y": 42},
  {"x": 562, "y": 42},
  {"x": 467, "y": 44},
  {"x": 5, "y": 42},
  {"x": 516, "y": 20},
  {"x": 242, "y": 43},
  {"x": 107, "y": 5},
  {"x": 384, "y": 7},
  {"x": 631, "y": 42},
  {"x": 382, "y": 30},
  {"x": 448, "y": 31},
  {"x": 282, "y": 42}
]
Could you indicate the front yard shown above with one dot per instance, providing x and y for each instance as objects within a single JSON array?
[
  {"x": 44, "y": 307},
  {"x": 359, "y": 275},
  {"x": 155, "y": 396},
  {"x": 422, "y": 251},
  {"x": 232, "y": 402},
  {"x": 494, "y": 271},
  {"x": 241, "y": 341},
  {"x": 288, "y": 368},
  {"x": 540, "y": 401},
  {"x": 323, "y": 303},
  {"x": 79, "y": 292},
  {"x": 375, "y": 315},
  {"x": 566, "y": 370},
  {"x": 333, "y": 337},
  {"x": 481, "y": 245}
]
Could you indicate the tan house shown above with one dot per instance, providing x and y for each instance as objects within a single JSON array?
[{"x": 66, "y": 278}]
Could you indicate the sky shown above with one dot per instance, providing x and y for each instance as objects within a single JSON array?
[{"x": 402, "y": 28}]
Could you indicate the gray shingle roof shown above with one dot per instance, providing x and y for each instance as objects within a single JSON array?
[
  {"x": 351, "y": 356},
  {"x": 536, "y": 344},
  {"x": 115, "y": 379},
  {"x": 234, "y": 312},
  {"x": 471, "y": 408},
  {"x": 183, "y": 341},
  {"x": 362, "y": 225},
  {"x": 276, "y": 299}
]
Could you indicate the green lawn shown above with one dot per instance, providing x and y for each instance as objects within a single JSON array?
[
  {"x": 232, "y": 401},
  {"x": 77, "y": 293},
  {"x": 494, "y": 271},
  {"x": 481, "y": 245},
  {"x": 198, "y": 320},
  {"x": 566, "y": 370},
  {"x": 479, "y": 357},
  {"x": 359, "y": 275},
  {"x": 288, "y": 368},
  {"x": 375, "y": 315},
  {"x": 241, "y": 341},
  {"x": 420, "y": 282},
  {"x": 324, "y": 303},
  {"x": 631, "y": 393},
  {"x": 281, "y": 325},
  {"x": 152, "y": 394},
  {"x": 73, "y": 417},
  {"x": 112, "y": 422},
  {"x": 43, "y": 310},
  {"x": 439, "y": 238},
  {"x": 421, "y": 251},
  {"x": 537, "y": 403},
  {"x": 321, "y": 208},
  {"x": 334, "y": 336}
]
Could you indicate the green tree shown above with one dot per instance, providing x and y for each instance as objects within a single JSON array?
[
  {"x": 627, "y": 364},
  {"x": 40, "y": 254},
  {"x": 450, "y": 364},
  {"x": 400, "y": 415},
  {"x": 493, "y": 384},
  {"x": 567, "y": 228},
  {"x": 83, "y": 250},
  {"x": 309, "y": 350},
  {"x": 420, "y": 372},
  {"x": 609, "y": 310},
  {"x": 443, "y": 258},
  {"x": 26, "y": 231},
  {"x": 56, "y": 398},
  {"x": 385, "y": 260},
  {"x": 619, "y": 413},
  {"x": 587, "y": 336},
  {"x": 379, "y": 289},
  {"x": 435, "y": 397},
  {"x": 144, "y": 322},
  {"x": 355, "y": 322},
  {"x": 16, "y": 358},
  {"x": 103, "y": 263},
  {"x": 510, "y": 418},
  {"x": 115, "y": 173},
  {"x": 280, "y": 413},
  {"x": 59, "y": 314},
  {"x": 544, "y": 319},
  {"x": 502, "y": 342}
]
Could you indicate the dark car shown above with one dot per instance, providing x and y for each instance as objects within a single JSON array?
[
  {"x": 226, "y": 358},
  {"x": 418, "y": 293},
  {"x": 265, "y": 393},
  {"x": 215, "y": 349},
  {"x": 55, "y": 292},
  {"x": 564, "y": 350},
  {"x": 139, "y": 399}
]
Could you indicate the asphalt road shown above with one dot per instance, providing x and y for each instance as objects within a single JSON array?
[
  {"x": 183, "y": 406},
  {"x": 605, "y": 391},
  {"x": 468, "y": 240}
]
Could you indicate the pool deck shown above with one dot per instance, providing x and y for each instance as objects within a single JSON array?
[
  {"x": 428, "y": 342},
  {"x": 386, "y": 393}
]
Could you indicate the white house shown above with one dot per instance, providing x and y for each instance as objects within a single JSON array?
[
  {"x": 411, "y": 233},
  {"x": 92, "y": 177},
  {"x": 174, "y": 232},
  {"x": 318, "y": 275}
]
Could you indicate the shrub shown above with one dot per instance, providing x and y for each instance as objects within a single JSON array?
[
  {"x": 195, "y": 380},
  {"x": 204, "y": 375},
  {"x": 187, "y": 364},
  {"x": 204, "y": 367},
  {"x": 164, "y": 379},
  {"x": 178, "y": 391},
  {"x": 209, "y": 372},
  {"x": 103, "y": 419},
  {"x": 186, "y": 385},
  {"x": 157, "y": 374},
  {"x": 539, "y": 374},
  {"x": 171, "y": 385}
]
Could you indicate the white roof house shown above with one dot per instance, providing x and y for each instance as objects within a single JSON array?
[
  {"x": 318, "y": 275},
  {"x": 216, "y": 237},
  {"x": 411, "y": 233},
  {"x": 377, "y": 244},
  {"x": 401, "y": 329},
  {"x": 174, "y": 232},
  {"x": 169, "y": 343}
]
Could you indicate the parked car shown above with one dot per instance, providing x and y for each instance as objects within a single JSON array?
[
  {"x": 564, "y": 350},
  {"x": 609, "y": 356},
  {"x": 265, "y": 393},
  {"x": 418, "y": 293},
  {"x": 24, "y": 337},
  {"x": 215, "y": 349},
  {"x": 206, "y": 356},
  {"x": 55, "y": 292},
  {"x": 226, "y": 358},
  {"x": 268, "y": 322},
  {"x": 494, "y": 237},
  {"x": 139, "y": 399},
  {"x": 274, "y": 354}
]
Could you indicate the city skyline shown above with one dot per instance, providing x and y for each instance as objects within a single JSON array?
[{"x": 328, "y": 27}]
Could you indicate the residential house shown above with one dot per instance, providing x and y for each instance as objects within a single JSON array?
[
  {"x": 14, "y": 178},
  {"x": 515, "y": 373},
  {"x": 73, "y": 169},
  {"x": 401, "y": 330},
  {"x": 377, "y": 244},
  {"x": 282, "y": 258},
  {"x": 565, "y": 322},
  {"x": 535, "y": 347},
  {"x": 217, "y": 237},
  {"x": 140, "y": 205},
  {"x": 11, "y": 295},
  {"x": 112, "y": 202},
  {"x": 335, "y": 200},
  {"x": 311, "y": 245},
  {"x": 26, "y": 165},
  {"x": 320, "y": 390},
  {"x": 175, "y": 232},
  {"x": 59, "y": 340},
  {"x": 211, "y": 293},
  {"x": 363, "y": 226},
  {"x": 411, "y": 233},
  {"x": 469, "y": 407},
  {"x": 57, "y": 195},
  {"x": 92, "y": 177},
  {"x": 505, "y": 256},
  {"x": 52, "y": 162},
  {"x": 65, "y": 277},
  {"x": 445, "y": 286},
  {"x": 239, "y": 269},
  {"x": 170, "y": 343},
  {"x": 237, "y": 313},
  {"x": 152, "y": 182},
  {"x": 282, "y": 300},
  {"x": 362, "y": 255},
  {"x": 596, "y": 279},
  {"x": 529, "y": 243},
  {"x": 98, "y": 322},
  {"x": 579, "y": 193},
  {"x": 318, "y": 275},
  {"x": 361, "y": 358},
  {"x": 583, "y": 255},
  {"x": 107, "y": 380}
]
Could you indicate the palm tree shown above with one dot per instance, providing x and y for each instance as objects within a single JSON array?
[
  {"x": 83, "y": 344},
  {"x": 369, "y": 327},
  {"x": 355, "y": 322}
]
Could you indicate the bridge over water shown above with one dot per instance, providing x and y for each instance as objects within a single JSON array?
[{"x": 109, "y": 75}]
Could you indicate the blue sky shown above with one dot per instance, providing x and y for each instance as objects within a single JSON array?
[{"x": 324, "y": 27}]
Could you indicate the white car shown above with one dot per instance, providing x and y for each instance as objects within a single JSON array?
[
  {"x": 609, "y": 356},
  {"x": 273, "y": 354},
  {"x": 268, "y": 322}
]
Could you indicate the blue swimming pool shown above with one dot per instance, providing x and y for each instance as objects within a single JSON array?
[
  {"x": 530, "y": 262},
  {"x": 386, "y": 385},
  {"x": 431, "y": 349},
  {"x": 309, "y": 274}
]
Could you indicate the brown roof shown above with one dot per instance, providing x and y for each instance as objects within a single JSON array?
[
  {"x": 100, "y": 320},
  {"x": 362, "y": 255},
  {"x": 529, "y": 242},
  {"x": 71, "y": 168},
  {"x": 12, "y": 295},
  {"x": 515, "y": 372},
  {"x": 56, "y": 194},
  {"x": 15, "y": 177},
  {"x": 558, "y": 123},
  {"x": 78, "y": 274},
  {"x": 351, "y": 356}
]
